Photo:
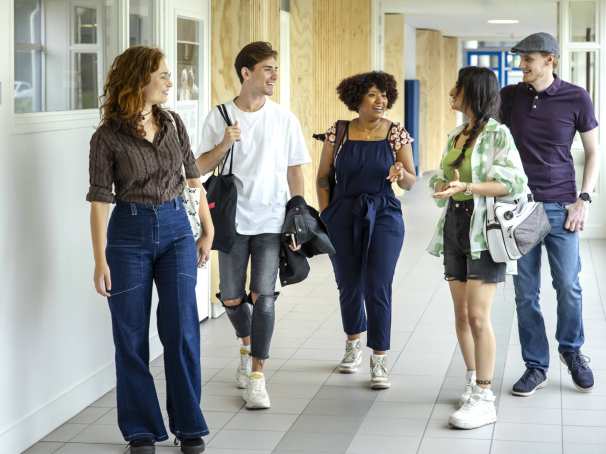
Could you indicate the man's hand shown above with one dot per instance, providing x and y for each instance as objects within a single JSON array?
[
  {"x": 577, "y": 215},
  {"x": 451, "y": 188},
  {"x": 232, "y": 134}
]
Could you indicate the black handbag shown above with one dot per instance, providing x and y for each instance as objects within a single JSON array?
[{"x": 222, "y": 198}]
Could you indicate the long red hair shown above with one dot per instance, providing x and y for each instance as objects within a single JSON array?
[{"x": 123, "y": 99}]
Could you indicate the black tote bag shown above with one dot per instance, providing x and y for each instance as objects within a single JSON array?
[{"x": 222, "y": 199}]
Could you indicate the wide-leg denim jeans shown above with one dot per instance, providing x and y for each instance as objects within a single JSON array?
[{"x": 147, "y": 244}]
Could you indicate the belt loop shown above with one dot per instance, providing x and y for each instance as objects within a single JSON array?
[{"x": 133, "y": 209}]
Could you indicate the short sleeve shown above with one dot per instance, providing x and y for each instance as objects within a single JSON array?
[
  {"x": 398, "y": 137},
  {"x": 101, "y": 170},
  {"x": 331, "y": 134},
  {"x": 297, "y": 148},
  {"x": 212, "y": 132},
  {"x": 189, "y": 161},
  {"x": 585, "y": 120}
]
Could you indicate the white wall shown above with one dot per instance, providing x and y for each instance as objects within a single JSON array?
[
  {"x": 410, "y": 52},
  {"x": 56, "y": 348}
]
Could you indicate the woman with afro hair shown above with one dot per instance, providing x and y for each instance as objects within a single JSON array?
[{"x": 360, "y": 160}]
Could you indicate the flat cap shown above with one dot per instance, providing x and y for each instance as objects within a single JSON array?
[{"x": 537, "y": 42}]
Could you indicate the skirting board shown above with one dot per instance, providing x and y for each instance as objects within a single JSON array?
[{"x": 37, "y": 424}]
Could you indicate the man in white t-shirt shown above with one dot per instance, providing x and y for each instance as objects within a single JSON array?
[{"x": 269, "y": 151}]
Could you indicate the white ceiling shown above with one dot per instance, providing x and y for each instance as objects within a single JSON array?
[{"x": 468, "y": 18}]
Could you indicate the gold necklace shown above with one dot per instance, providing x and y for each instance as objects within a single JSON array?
[{"x": 367, "y": 133}]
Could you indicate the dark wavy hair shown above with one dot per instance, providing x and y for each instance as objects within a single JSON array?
[
  {"x": 251, "y": 54},
  {"x": 352, "y": 89},
  {"x": 123, "y": 99},
  {"x": 480, "y": 95}
]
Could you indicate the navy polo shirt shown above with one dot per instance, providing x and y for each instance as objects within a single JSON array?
[{"x": 543, "y": 126}]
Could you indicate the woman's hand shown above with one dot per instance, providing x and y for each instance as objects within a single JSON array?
[
  {"x": 396, "y": 172},
  {"x": 451, "y": 188},
  {"x": 203, "y": 246},
  {"x": 102, "y": 279}
]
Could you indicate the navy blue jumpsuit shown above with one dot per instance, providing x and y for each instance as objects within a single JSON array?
[{"x": 365, "y": 224}]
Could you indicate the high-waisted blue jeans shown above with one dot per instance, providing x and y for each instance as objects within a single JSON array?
[{"x": 147, "y": 244}]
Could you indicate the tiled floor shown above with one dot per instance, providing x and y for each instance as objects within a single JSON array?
[{"x": 315, "y": 410}]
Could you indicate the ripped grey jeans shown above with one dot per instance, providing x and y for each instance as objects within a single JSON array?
[{"x": 256, "y": 321}]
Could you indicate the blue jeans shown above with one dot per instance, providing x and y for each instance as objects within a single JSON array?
[
  {"x": 147, "y": 244},
  {"x": 565, "y": 264}
]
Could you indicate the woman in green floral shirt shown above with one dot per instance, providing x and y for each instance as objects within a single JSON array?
[{"x": 480, "y": 160}]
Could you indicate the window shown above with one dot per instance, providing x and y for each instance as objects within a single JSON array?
[
  {"x": 141, "y": 23},
  {"x": 62, "y": 50},
  {"x": 582, "y": 21}
]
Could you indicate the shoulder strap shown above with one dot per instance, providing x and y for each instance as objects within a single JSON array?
[
  {"x": 341, "y": 132},
  {"x": 230, "y": 154},
  {"x": 490, "y": 210}
]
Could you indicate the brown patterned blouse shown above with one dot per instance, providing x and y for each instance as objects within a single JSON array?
[{"x": 126, "y": 167}]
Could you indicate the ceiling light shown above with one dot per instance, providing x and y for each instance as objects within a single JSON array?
[{"x": 503, "y": 21}]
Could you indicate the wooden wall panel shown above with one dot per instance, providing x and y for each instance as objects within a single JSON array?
[
  {"x": 236, "y": 23},
  {"x": 430, "y": 70},
  {"x": 330, "y": 40},
  {"x": 450, "y": 52},
  {"x": 394, "y": 60}
]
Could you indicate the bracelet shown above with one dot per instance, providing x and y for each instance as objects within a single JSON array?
[{"x": 468, "y": 189}]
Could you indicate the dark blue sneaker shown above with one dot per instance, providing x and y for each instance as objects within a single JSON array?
[
  {"x": 532, "y": 380},
  {"x": 578, "y": 367}
]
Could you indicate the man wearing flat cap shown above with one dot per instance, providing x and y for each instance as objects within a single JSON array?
[{"x": 544, "y": 113}]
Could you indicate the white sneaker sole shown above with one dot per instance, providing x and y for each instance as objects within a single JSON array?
[
  {"x": 350, "y": 369},
  {"x": 257, "y": 406},
  {"x": 530, "y": 393},
  {"x": 468, "y": 426},
  {"x": 380, "y": 385},
  {"x": 583, "y": 390}
]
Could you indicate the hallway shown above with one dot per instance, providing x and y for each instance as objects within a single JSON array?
[{"x": 316, "y": 410}]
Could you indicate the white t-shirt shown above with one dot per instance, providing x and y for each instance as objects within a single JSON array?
[{"x": 271, "y": 140}]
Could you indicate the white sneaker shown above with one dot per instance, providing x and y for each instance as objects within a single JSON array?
[
  {"x": 470, "y": 381},
  {"x": 244, "y": 368},
  {"x": 255, "y": 395},
  {"x": 478, "y": 411},
  {"x": 352, "y": 358},
  {"x": 379, "y": 376}
]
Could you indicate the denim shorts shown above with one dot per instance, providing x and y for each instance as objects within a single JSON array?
[
  {"x": 263, "y": 250},
  {"x": 458, "y": 264}
]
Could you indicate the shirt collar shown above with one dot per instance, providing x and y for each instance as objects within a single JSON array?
[{"x": 552, "y": 89}]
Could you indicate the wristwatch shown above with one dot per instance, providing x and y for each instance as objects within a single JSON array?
[
  {"x": 585, "y": 197},
  {"x": 468, "y": 189}
]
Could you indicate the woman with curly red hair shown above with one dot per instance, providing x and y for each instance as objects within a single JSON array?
[
  {"x": 138, "y": 156},
  {"x": 363, "y": 216}
]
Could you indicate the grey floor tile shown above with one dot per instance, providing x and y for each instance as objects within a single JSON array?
[
  {"x": 44, "y": 447},
  {"x": 65, "y": 433},
  {"x": 528, "y": 432},
  {"x": 589, "y": 435},
  {"x": 584, "y": 418},
  {"x": 530, "y": 415},
  {"x": 108, "y": 400},
  {"x": 380, "y": 410},
  {"x": 84, "y": 448},
  {"x": 283, "y": 405},
  {"x": 400, "y": 427},
  {"x": 217, "y": 419},
  {"x": 335, "y": 443},
  {"x": 261, "y": 421},
  {"x": 453, "y": 446},
  {"x": 99, "y": 434},
  {"x": 364, "y": 444},
  {"x": 439, "y": 428},
  {"x": 346, "y": 393},
  {"x": 246, "y": 439},
  {"x": 326, "y": 424},
  {"x": 89, "y": 415},
  {"x": 333, "y": 407},
  {"x": 521, "y": 447},
  {"x": 577, "y": 448},
  {"x": 231, "y": 451},
  {"x": 221, "y": 403}
]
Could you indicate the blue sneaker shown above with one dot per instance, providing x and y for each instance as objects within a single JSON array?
[
  {"x": 532, "y": 380},
  {"x": 578, "y": 367}
]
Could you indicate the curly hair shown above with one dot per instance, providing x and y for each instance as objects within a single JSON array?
[
  {"x": 353, "y": 89},
  {"x": 123, "y": 99}
]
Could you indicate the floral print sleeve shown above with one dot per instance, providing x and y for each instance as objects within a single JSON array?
[
  {"x": 507, "y": 166},
  {"x": 398, "y": 137}
]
